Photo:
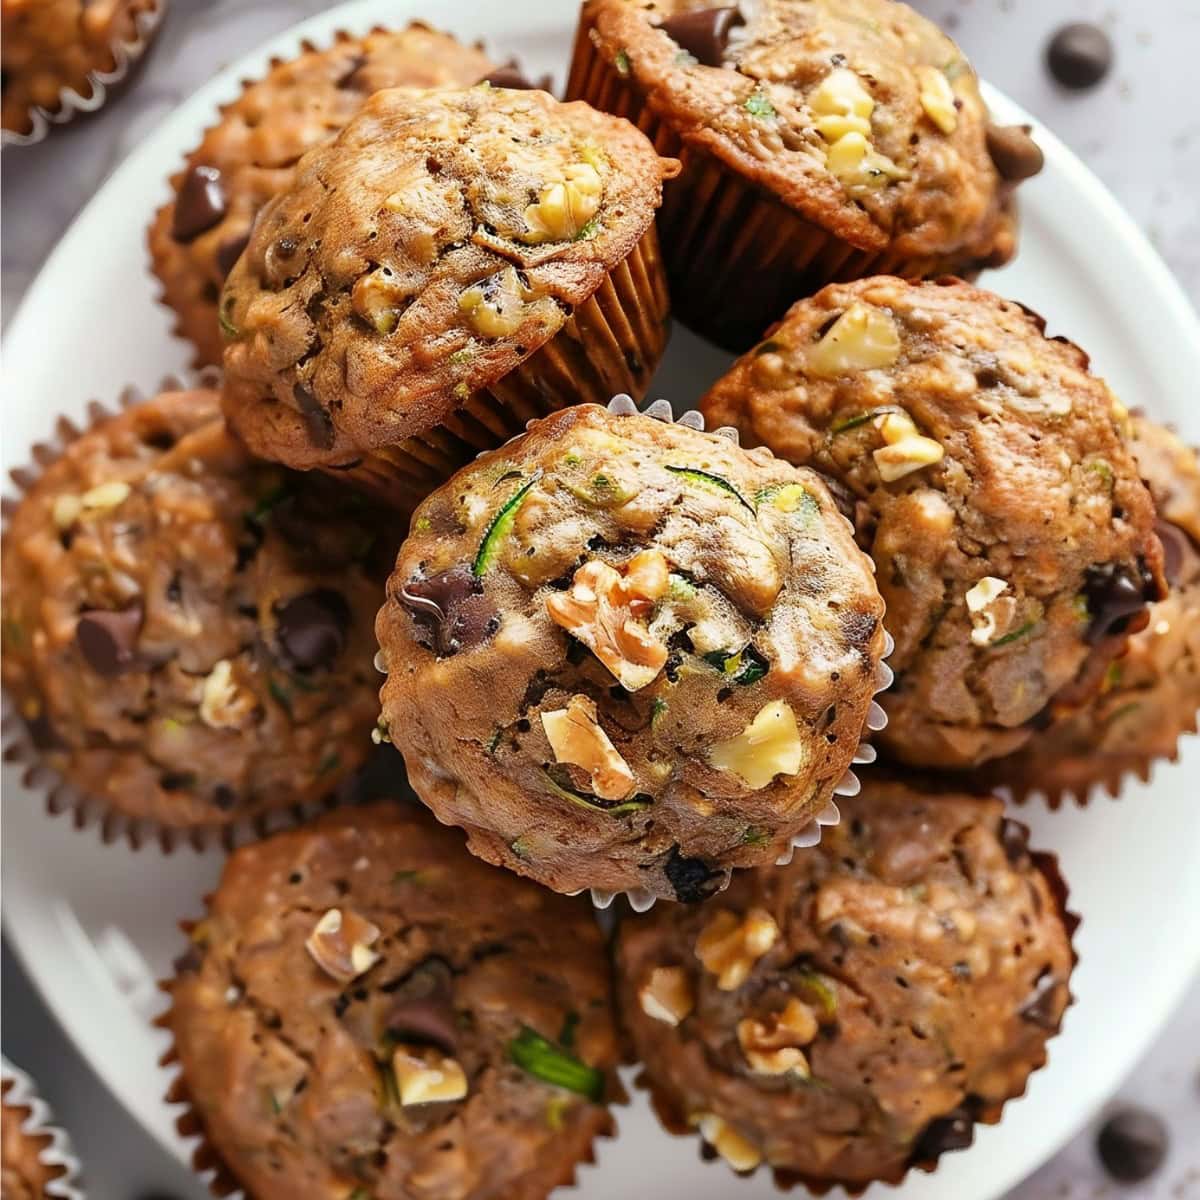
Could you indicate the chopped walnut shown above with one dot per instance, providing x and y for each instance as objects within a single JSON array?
[
  {"x": 770, "y": 745},
  {"x": 991, "y": 611},
  {"x": 576, "y": 737},
  {"x": 729, "y": 946},
  {"x": 500, "y": 304},
  {"x": 667, "y": 995},
  {"x": 937, "y": 98},
  {"x": 842, "y": 105},
  {"x": 66, "y": 510},
  {"x": 863, "y": 338},
  {"x": 906, "y": 449},
  {"x": 858, "y": 167},
  {"x": 605, "y": 609},
  {"x": 775, "y": 1048},
  {"x": 739, "y": 1152},
  {"x": 340, "y": 944},
  {"x": 379, "y": 299},
  {"x": 565, "y": 206},
  {"x": 224, "y": 705},
  {"x": 105, "y": 495},
  {"x": 424, "y": 1075}
]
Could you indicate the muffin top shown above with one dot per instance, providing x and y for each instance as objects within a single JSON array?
[
  {"x": 990, "y": 479},
  {"x": 435, "y": 244},
  {"x": 250, "y": 154},
  {"x": 1151, "y": 694},
  {"x": 860, "y": 114},
  {"x": 625, "y": 654},
  {"x": 854, "y": 1013},
  {"x": 23, "y": 1174},
  {"x": 188, "y": 632},
  {"x": 367, "y": 1009}
]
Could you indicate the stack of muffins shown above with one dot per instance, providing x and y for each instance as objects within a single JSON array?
[{"x": 625, "y": 655}]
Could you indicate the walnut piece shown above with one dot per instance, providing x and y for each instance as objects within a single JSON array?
[
  {"x": 937, "y": 98},
  {"x": 729, "y": 946},
  {"x": 841, "y": 105},
  {"x": 770, "y": 745},
  {"x": 606, "y": 610},
  {"x": 224, "y": 705},
  {"x": 775, "y": 1048},
  {"x": 863, "y": 338},
  {"x": 985, "y": 604},
  {"x": 105, "y": 495},
  {"x": 424, "y": 1075},
  {"x": 379, "y": 299},
  {"x": 564, "y": 206},
  {"x": 906, "y": 449},
  {"x": 739, "y": 1152},
  {"x": 667, "y": 995},
  {"x": 576, "y": 737},
  {"x": 340, "y": 944},
  {"x": 500, "y": 304}
]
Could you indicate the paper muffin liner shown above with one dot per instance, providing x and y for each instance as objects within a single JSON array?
[
  {"x": 611, "y": 343},
  {"x": 60, "y": 795},
  {"x": 21, "y": 1093},
  {"x": 675, "y": 1122},
  {"x": 737, "y": 257},
  {"x": 70, "y": 102}
]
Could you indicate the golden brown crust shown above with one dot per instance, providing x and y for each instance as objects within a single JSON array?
[
  {"x": 679, "y": 600},
  {"x": 434, "y": 245},
  {"x": 920, "y": 961},
  {"x": 943, "y": 410},
  {"x": 260, "y": 137},
  {"x": 290, "y": 1072}
]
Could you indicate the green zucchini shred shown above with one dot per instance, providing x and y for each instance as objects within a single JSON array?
[
  {"x": 1016, "y": 633},
  {"x": 757, "y": 105},
  {"x": 709, "y": 479},
  {"x": 620, "y": 808},
  {"x": 825, "y": 996},
  {"x": 502, "y": 522},
  {"x": 744, "y": 667},
  {"x": 541, "y": 1058}
]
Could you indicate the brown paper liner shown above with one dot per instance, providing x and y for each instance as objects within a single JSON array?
[
  {"x": 61, "y": 796},
  {"x": 675, "y": 1121},
  {"x": 736, "y": 256},
  {"x": 611, "y": 343},
  {"x": 55, "y": 1152}
]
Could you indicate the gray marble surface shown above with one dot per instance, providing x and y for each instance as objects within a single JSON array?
[{"x": 1140, "y": 131}]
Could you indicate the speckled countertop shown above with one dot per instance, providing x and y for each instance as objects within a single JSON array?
[{"x": 1139, "y": 131}]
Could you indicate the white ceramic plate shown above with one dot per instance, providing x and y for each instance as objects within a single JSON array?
[{"x": 96, "y": 925}]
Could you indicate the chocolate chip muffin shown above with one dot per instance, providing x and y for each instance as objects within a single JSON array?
[
  {"x": 188, "y": 632},
  {"x": 1150, "y": 696},
  {"x": 250, "y": 155},
  {"x": 988, "y": 475},
  {"x": 51, "y": 46},
  {"x": 30, "y": 1161},
  {"x": 450, "y": 266},
  {"x": 368, "y": 1011},
  {"x": 820, "y": 140},
  {"x": 626, "y": 655},
  {"x": 855, "y": 1013}
]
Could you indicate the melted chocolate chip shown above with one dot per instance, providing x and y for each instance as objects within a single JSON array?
[
  {"x": 422, "y": 1008},
  {"x": 353, "y": 65},
  {"x": 1114, "y": 594},
  {"x": 1079, "y": 55},
  {"x": 190, "y": 960},
  {"x": 692, "y": 878},
  {"x": 229, "y": 251},
  {"x": 703, "y": 32},
  {"x": 1042, "y": 1006},
  {"x": 316, "y": 417},
  {"x": 1015, "y": 154},
  {"x": 511, "y": 76},
  {"x": 108, "y": 640},
  {"x": 954, "y": 1131},
  {"x": 200, "y": 204},
  {"x": 1014, "y": 837},
  {"x": 1174, "y": 544},
  {"x": 1132, "y": 1144},
  {"x": 224, "y": 797},
  {"x": 312, "y": 628},
  {"x": 450, "y": 610}
]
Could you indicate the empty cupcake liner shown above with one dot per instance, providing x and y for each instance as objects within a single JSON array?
[
  {"x": 55, "y": 1153},
  {"x": 60, "y": 795},
  {"x": 70, "y": 102}
]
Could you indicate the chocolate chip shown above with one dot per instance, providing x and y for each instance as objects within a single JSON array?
[
  {"x": 429, "y": 1020},
  {"x": 224, "y": 797},
  {"x": 353, "y": 66},
  {"x": 1014, "y": 837},
  {"x": 1015, "y": 154},
  {"x": 1174, "y": 544},
  {"x": 43, "y": 734},
  {"x": 190, "y": 960},
  {"x": 511, "y": 76},
  {"x": 703, "y": 32},
  {"x": 316, "y": 417},
  {"x": 1042, "y": 1008},
  {"x": 229, "y": 251},
  {"x": 200, "y": 203},
  {"x": 108, "y": 640},
  {"x": 692, "y": 878},
  {"x": 1132, "y": 1144},
  {"x": 1114, "y": 594},
  {"x": 1079, "y": 55},
  {"x": 312, "y": 628},
  {"x": 450, "y": 610},
  {"x": 954, "y": 1131}
]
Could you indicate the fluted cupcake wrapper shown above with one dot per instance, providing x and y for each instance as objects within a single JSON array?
[
  {"x": 70, "y": 102},
  {"x": 20, "y": 1092}
]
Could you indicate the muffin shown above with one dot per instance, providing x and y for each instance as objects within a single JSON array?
[
  {"x": 855, "y": 1013},
  {"x": 54, "y": 46},
  {"x": 250, "y": 155},
  {"x": 1151, "y": 695},
  {"x": 366, "y": 1010},
  {"x": 449, "y": 267},
  {"x": 626, "y": 655},
  {"x": 187, "y": 632},
  {"x": 989, "y": 477},
  {"x": 35, "y": 1158},
  {"x": 820, "y": 141}
]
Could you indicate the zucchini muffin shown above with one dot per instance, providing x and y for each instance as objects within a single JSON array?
[
  {"x": 250, "y": 155},
  {"x": 820, "y": 140},
  {"x": 188, "y": 632},
  {"x": 989, "y": 476},
  {"x": 855, "y": 1013},
  {"x": 48, "y": 46},
  {"x": 452, "y": 265},
  {"x": 368, "y": 1011},
  {"x": 626, "y": 655},
  {"x": 1150, "y": 696},
  {"x": 35, "y": 1158}
]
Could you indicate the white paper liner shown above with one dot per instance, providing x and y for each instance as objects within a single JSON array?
[
  {"x": 40, "y": 1123},
  {"x": 125, "y": 55}
]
